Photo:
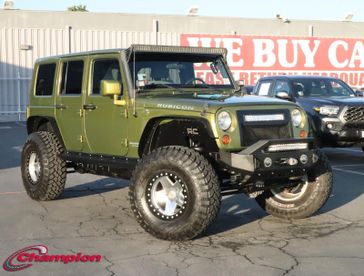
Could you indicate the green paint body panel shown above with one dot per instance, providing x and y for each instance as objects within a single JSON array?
[{"x": 116, "y": 130}]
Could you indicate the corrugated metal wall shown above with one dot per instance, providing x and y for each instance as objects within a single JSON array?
[{"x": 20, "y": 47}]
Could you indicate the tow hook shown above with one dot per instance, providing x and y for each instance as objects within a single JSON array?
[{"x": 288, "y": 161}]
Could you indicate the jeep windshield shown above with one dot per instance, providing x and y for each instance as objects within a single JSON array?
[
  {"x": 307, "y": 87},
  {"x": 180, "y": 72}
]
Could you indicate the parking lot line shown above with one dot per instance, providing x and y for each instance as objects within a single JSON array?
[
  {"x": 5, "y": 127},
  {"x": 348, "y": 171},
  {"x": 12, "y": 193}
]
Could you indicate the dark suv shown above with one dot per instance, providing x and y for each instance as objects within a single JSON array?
[{"x": 333, "y": 108}]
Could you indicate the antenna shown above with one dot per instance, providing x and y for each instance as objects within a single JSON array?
[{"x": 134, "y": 86}]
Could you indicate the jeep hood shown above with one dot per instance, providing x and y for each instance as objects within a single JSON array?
[{"x": 203, "y": 102}]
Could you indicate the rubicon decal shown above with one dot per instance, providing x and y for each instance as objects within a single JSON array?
[{"x": 34, "y": 254}]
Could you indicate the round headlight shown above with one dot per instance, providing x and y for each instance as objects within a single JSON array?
[
  {"x": 224, "y": 120},
  {"x": 297, "y": 118}
]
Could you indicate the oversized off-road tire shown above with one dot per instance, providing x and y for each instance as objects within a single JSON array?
[
  {"x": 43, "y": 170},
  {"x": 304, "y": 199},
  {"x": 174, "y": 193}
]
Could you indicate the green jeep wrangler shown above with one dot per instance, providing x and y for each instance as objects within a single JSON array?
[{"x": 173, "y": 121}]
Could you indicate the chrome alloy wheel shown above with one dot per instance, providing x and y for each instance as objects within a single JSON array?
[
  {"x": 34, "y": 167},
  {"x": 292, "y": 193},
  {"x": 167, "y": 195}
]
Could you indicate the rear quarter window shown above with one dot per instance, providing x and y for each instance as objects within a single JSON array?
[{"x": 45, "y": 79}]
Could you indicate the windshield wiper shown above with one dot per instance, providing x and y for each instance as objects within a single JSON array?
[{"x": 160, "y": 85}]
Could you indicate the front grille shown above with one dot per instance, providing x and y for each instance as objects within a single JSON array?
[
  {"x": 252, "y": 132},
  {"x": 354, "y": 114}
]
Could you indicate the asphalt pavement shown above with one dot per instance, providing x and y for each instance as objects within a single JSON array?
[{"x": 93, "y": 217}]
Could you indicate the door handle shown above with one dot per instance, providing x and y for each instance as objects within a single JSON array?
[
  {"x": 60, "y": 106},
  {"x": 89, "y": 106}
]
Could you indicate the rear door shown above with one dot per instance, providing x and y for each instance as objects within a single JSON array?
[
  {"x": 69, "y": 101},
  {"x": 105, "y": 122}
]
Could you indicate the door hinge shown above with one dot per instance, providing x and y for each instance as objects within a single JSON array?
[
  {"x": 125, "y": 142},
  {"x": 126, "y": 113},
  {"x": 80, "y": 112},
  {"x": 80, "y": 138}
]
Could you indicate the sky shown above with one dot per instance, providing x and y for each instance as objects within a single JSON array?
[{"x": 292, "y": 9}]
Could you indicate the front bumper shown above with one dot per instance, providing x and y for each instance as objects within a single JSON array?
[
  {"x": 335, "y": 130},
  {"x": 258, "y": 162}
]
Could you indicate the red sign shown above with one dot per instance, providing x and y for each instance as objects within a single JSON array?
[{"x": 252, "y": 57}]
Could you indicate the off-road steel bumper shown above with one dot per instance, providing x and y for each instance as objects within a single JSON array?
[{"x": 273, "y": 158}]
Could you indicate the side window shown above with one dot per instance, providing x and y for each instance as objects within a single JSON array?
[
  {"x": 72, "y": 74},
  {"x": 281, "y": 86},
  {"x": 45, "y": 79},
  {"x": 337, "y": 89},
  {"x": 104, "y": 69},
  {"x": 263, "y": 88}
]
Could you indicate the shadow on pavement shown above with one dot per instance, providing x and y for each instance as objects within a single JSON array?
[
  {"x": 348, "y": 185},
  {"x": 236, "y": 210},
  {"x": 96, "y": 187}
]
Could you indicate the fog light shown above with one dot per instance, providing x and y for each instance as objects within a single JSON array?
[
  {"x": 329, "y": 126},
  {"x": 226, "y": 139},
  {"x": 292, "y": 161},
  {"x": 267, "y": 162},
  {"x": 304, "y": 159}
]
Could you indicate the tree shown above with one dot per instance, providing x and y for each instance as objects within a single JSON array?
[{"x": 80, "y": 8}]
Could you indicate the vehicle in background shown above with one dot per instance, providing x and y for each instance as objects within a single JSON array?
[
  {"x": 249, "y": 89},
  {"x": 335, "y": 111}
]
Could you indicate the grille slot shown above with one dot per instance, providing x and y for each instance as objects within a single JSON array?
[
  {"x": 252, "y": 132},
  {"x": 354, "y": 114}
]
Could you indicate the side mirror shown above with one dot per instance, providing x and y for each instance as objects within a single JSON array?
[
  {"x": 110, "y": 88},
  {"x": 283, "y": 95}
]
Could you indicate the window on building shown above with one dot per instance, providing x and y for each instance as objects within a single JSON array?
[{"x": 45, "y": 79}]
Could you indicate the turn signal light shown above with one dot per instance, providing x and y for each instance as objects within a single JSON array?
[
  {"x": 303, "y": 134},
  {"x": 226, "y": 139}
]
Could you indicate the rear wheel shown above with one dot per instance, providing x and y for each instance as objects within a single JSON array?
[
  {"x": 304, "y": 199},
  {"x": 174, "y": 193},
  {"x": 43, "y": 170}
]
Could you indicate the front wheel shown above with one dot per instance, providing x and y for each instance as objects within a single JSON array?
[
  {"x": 174, "y": 193},
  {"x": 304, "y": 199}
]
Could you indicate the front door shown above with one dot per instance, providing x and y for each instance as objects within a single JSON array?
[
  {"x": 105, "y": 122},
  {"x": 69, "y": 102}
]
